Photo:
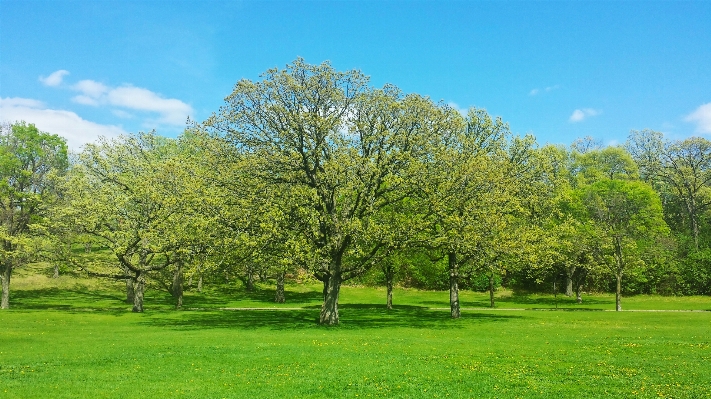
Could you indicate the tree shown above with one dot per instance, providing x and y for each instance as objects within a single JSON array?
[
  {"x": 340, "y": 148},
  {"x": 129, "y": 194},
  {"x": 466, "y": 185},
  {"x": 624, "y": 218},
  {"x": 29, "y": 162}
]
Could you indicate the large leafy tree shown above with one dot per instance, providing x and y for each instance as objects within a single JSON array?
[
  {"x": 340, "y": 148},
  {"x": 29, "y": 159},
  {"x": 624, "y": 219},
  {"x": 129, "y": 194}
]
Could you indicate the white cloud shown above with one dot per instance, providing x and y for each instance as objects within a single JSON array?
[
  {"x": 90, "y": 88},
  {"x": 67, "y": 124},
  {"x": 702, "y": 117},
  {"x": 537, "y": 91},
  {"x": 172, "y": 111},
  {"x": 85, "y": 100},
  {"x": 55, "y": 78},
  {"x": 581, "y": 114},
  {"x": 20, "y": 102}
]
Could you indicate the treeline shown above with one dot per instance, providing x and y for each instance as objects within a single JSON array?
[{"x": 313, "y": 172}]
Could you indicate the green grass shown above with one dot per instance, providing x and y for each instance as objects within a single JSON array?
[{"x": 77, "y": 339}]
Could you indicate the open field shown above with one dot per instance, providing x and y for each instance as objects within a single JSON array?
[{"x": 69, "y": 341}]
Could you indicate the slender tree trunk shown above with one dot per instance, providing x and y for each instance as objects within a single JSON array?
[
  {"x": 491, "y": 290},
  {"x": 56, "y": 271},
  {"x": 139, "y": 288},
  {"x": 618, "y": 292},
  {"x": 279, "y": 295},
  {"x": 329, "y": 309},
  {"x": 578, "y": 292},
  {"x": 389, "y": 278},
  {"x": 691, "y": 208},
  {"x": 569, "y": 271},
  {"x": 5, "y": 301},
  {"x": 199, "y": 285},
  {"x": 454, "y": 286},
  {"x": 177, "y": 287}
]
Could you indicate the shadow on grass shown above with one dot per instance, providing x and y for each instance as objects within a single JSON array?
[
  {"x": 222, "y": 295},
  {"x": 352, "y": 316},
  {"x": 525, "y": 300},
  {"x": 562, "y": 301},
  {"x": 61, "y": 299}
]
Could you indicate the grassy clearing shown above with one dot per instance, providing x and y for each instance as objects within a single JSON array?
[{"x": 74, "y": 340}]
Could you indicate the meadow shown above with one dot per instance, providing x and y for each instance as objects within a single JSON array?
[{"x": 69, "y": 338}]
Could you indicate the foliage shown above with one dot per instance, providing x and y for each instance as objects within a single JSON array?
[
  {"x": 129, "y": 195},
  {"x": 30, "y": 161}
]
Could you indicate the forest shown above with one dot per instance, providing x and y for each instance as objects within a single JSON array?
[{"x": 312, "y": 173}]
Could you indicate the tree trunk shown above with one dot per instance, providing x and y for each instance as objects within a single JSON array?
[
  {"x": 691, "y": 208},
  {"x": 199, "y": 287},
  {"x": 5, "y": 302},
  {"x": 491, "y": 290},
  {"x": 618, "y": 293},
  {"x": 329, "y": 309},
  {"x": 389, "y": 272},
  {"x": 279, "y": 295},
  {"x": 56, "y": 271},
  {"x": 578, "y": 292},
  {"x": 390, "y": 294},
  {"x": 569, "y": 271},
  {"x": 249, "y": 285},
  {"x": 130, "y": 294},
  {"x": 454, "y": 286},
  {"x": 177, "y": 287},
  {"x": 139, "y": 288},
  {"x": 325, "y": 287}
]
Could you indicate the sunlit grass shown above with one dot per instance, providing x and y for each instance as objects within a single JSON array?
[{"x": 76, "y": 338}]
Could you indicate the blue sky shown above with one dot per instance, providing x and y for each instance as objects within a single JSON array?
[{"x": 558, "y": 70}]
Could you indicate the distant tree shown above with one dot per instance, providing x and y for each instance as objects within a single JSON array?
[
  {"x": 29, "y": 161},
  {"x": 624, "y": 220}
]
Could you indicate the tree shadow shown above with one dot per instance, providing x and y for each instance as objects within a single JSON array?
[
  {"x": 352, "y": 316},
  {"x": 222, "y": 296},
  {"x": 61, "y": 299},
  {"x": 561, "y": 301},
  {"x": 526, "y": 300}
]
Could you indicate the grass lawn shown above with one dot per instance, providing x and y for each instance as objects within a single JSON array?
[{"x": 75, "y": 341}]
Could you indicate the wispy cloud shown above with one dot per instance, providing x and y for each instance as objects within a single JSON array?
[
  {"x": 55, "y": 78},
  {"x": 75, "y": 129},
  {"x": 537, "y": 91},
  {"x": 171, "y": 111},
  {"x": 702, "y": 117},
  {"x": 582, "y": 114},
  {"x": 166, "y": 111}
]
